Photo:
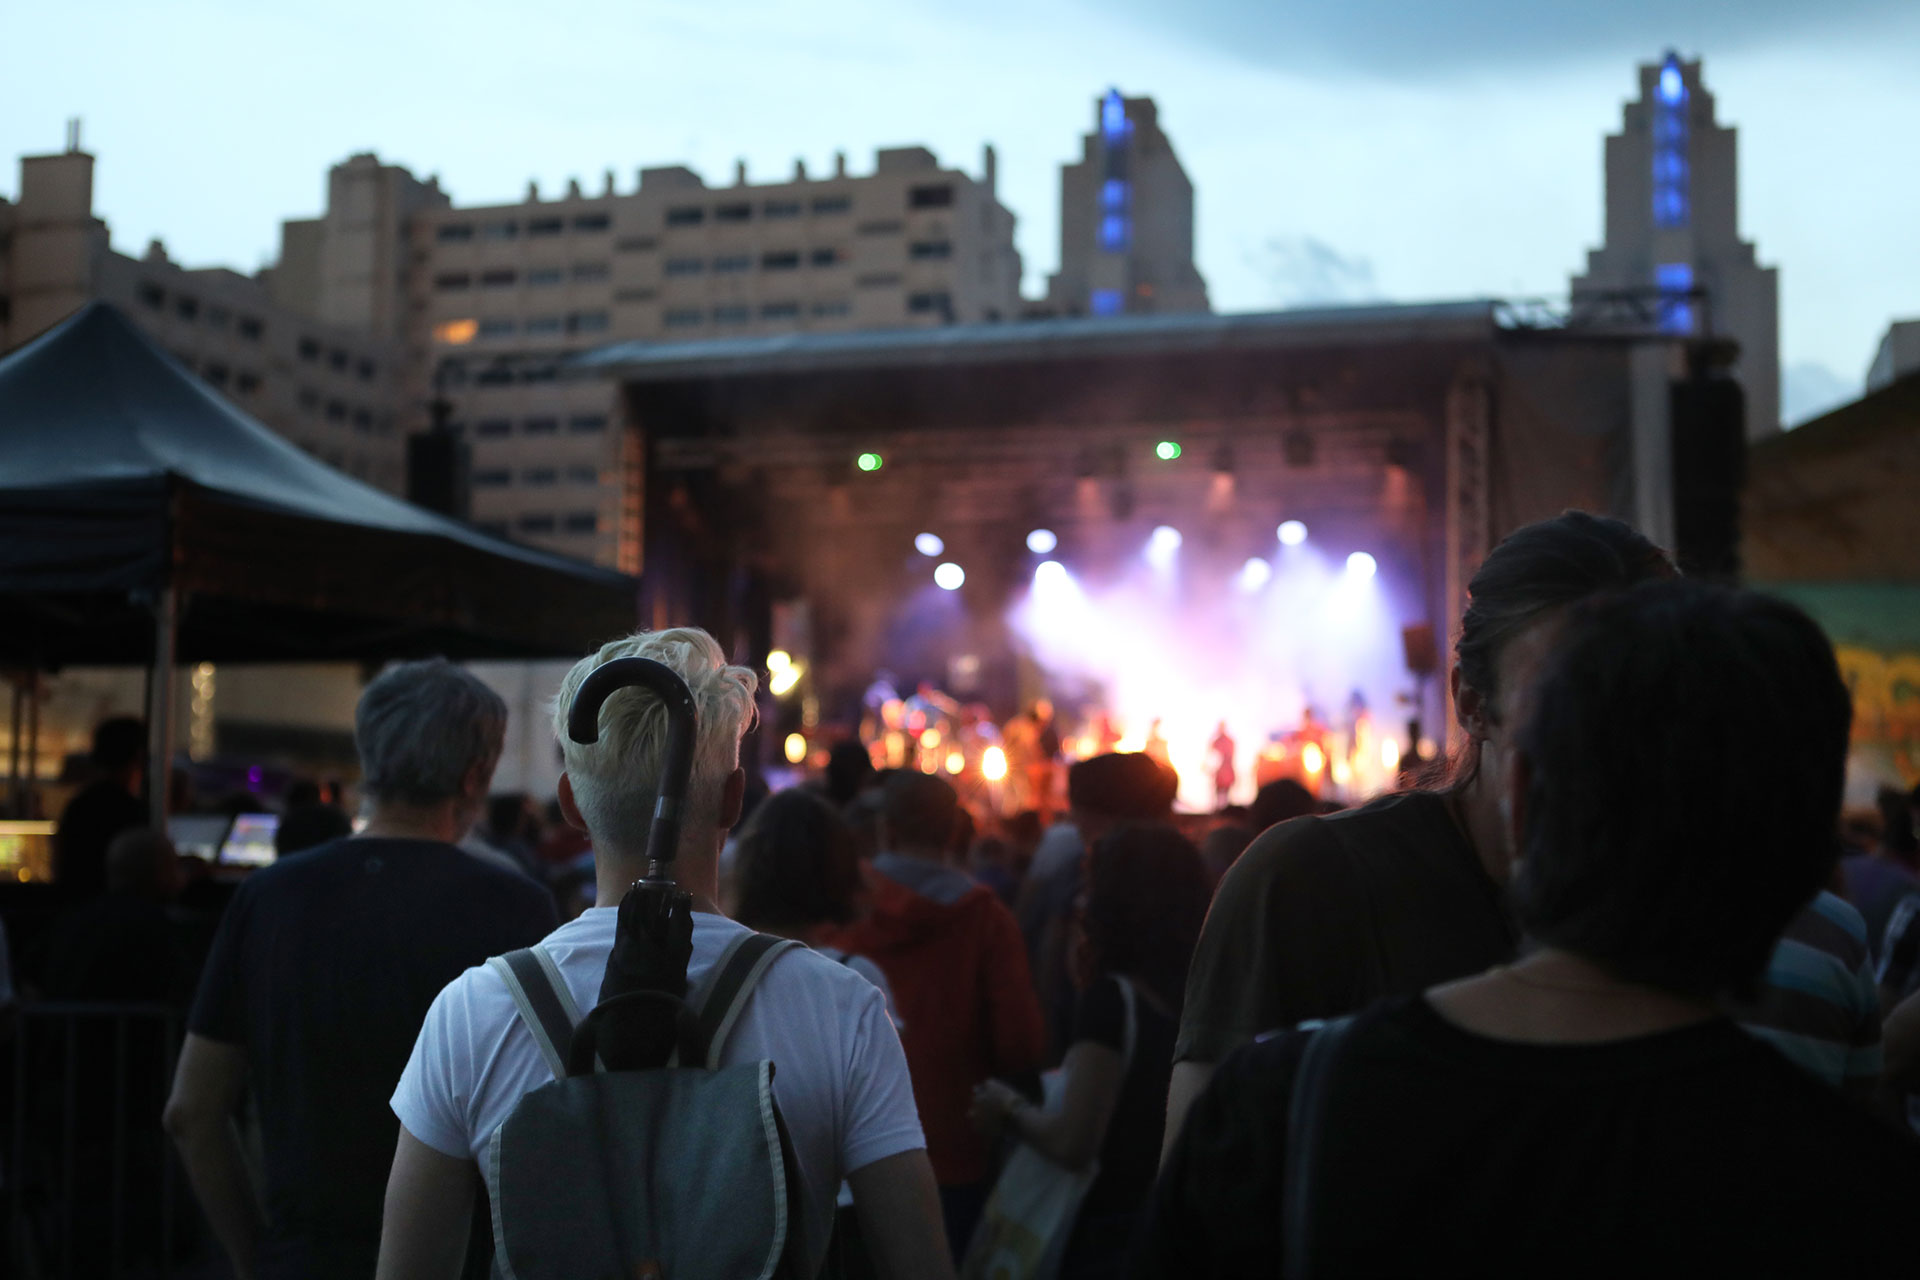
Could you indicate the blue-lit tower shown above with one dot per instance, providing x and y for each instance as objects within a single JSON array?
[
  {"x": 1126, "y": 220},
  {"x": 1672, "y": 227}
]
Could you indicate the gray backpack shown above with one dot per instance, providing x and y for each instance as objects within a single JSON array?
[{"x": 680, "y": 1173}]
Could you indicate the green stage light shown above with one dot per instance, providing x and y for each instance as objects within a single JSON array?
[
  {"x": 871, "y": 461},
  {"x": 1167, "y": 450}
]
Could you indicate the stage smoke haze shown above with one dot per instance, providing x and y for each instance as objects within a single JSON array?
[{"x": 1192, "y": 642}]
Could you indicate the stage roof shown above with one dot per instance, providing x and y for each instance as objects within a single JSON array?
[
  {"x": 120, "y": 471},
  {"x": 1034, "y": 340}
]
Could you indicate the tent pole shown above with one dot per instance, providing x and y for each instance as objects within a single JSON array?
[{"x": 160, "y": 706}]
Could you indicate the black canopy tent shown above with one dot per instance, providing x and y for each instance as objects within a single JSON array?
[{"x": 146, "y": 520}]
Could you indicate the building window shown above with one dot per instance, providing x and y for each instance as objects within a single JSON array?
[
  {"x": 493, "y": 428},
  {"x": 499, "y": 278},
  {"x": 825, "y": 257},
  {"x": 499, "y": 374},
  {"x": 884, "y": 227},
  {"x": 454, "y": 232},
  {"x": 541, "y": 426},
  {"x": 733, "y": 262},
  {"x": 591, "y": 222},
  {"x": 501, "y": 231},
  {"x": 691, "y": 215},
  {"x": 930, "y": 304},
  {"x": 731, "y": 314},
  {"x": 494, "y": 528},
  {"x": 338, "y": 360},
  {"x": 1106, "y": 302},
  {"x": 780, "y": 260},
  {"x": 153, "y": 296},
  {"x": 546, "y": 371},
  {"x": 451, "y": 281},
  {"x": 583, "y": 522},
  {"x": 496, "y": 326},
  {"x": 583, "y": 475},
  {"x": 1113, "y": 232},
  {"x": 546, "y": 226},
  {"x": 684, "y": 266},
  {"x": 250, "y": 328},
  {"x": 635, "y": 244},
  {"x": 733, "y": 213},
  {"x": 365, "y": 370},
  {"x": 931, "y": 197},
  {"x": 826, "y": 205},
  {"x": 492, "y": 478},
  {"x": 309, "y": 349},
  {"x": 186, "y": 308},
  {"x": 215, "y": 374},
  {"x": 930, "y": 250},
  {"x": 336, "y": 411},
  {"x": 541, "y": 325},
  {"x": 546, "y": 276},
  {"x": 539, "y": 476},
  {"x": 682, "y": 318},
  {"x": 590, "y": 423},
  {"x": 635, "y": 295},
  {"x": 247, "y": 383},
  {"x": 362, "y": 420},
  {"x": 587, "y": 322},
  {"x": 879, "y": 280},
  {"x": 590, "y": 272},
  {"x": 780, "y": 311},
  {"x": 536, "y": 524},
  {"x": 833, "y": 307},
  {"x": 781, "y": 208}
]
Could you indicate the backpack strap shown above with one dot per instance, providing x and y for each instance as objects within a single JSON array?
[
  {"x": 730, "y": 982},
  {"x": 1306, "y": 1132},
  {"x": 545, "y": 1004}
]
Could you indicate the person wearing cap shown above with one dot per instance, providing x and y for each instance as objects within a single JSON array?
[
  {"x": 951, "y": 950},
  {"x": 1104, "y": 794}
]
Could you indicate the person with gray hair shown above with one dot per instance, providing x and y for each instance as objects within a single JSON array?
[
  {"x": 323, "y": 970},
  {"x": 841, "y": 1083}
]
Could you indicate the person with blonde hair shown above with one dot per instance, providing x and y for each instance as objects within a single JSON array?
[{"x": 841, "y": 1079}]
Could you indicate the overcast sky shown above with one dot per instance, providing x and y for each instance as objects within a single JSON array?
[{"x": 1396, "y": 149}]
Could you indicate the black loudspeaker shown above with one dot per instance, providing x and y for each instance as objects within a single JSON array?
[
  {"x": 1709, "y": 419},
  {"x": 437, "y": 473}
]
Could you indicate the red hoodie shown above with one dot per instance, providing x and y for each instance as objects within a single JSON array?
[{"x": 967, "y": 1006}]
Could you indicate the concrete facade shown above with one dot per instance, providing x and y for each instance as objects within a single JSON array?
[
  {"x": 1672, "y": 226},
  {"x": 1126, "y": 220}
]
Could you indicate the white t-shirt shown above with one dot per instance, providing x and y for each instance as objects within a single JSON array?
[{"x": 840, "y": 1079}]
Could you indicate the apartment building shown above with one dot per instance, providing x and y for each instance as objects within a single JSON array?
[{"x": 328, "y": 389}]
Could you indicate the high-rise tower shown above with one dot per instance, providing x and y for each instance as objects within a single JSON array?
[
  {"x": 1126, "y": 220},
  {"x": 1672, "y": 226}
]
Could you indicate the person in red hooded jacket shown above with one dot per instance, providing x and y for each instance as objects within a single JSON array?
[{"x": 954, "y": 956}]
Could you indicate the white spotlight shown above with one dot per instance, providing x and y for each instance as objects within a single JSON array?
[
  {"x": 1254, "y": 574},
  {"x": 1361, "y": 565},
  {"x": 1292, "y": 533},
  {"x": 928, "y": 544},
  {"x": 1162, "y": 545},
  {"x": 1050, "y": 571},
  {"x": 1041, "y": 541},
  {"x": 949, "y": 576}
]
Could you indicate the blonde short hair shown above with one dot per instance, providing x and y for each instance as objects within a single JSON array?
[{"x": 615, "y": 780}]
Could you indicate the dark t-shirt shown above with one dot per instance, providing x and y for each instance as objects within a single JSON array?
[
  {"x": 1323, "y": 916},
  {"x": 323, "y": 969},
  {"x": 88, "y": 824},
  {"x": 1694, "y": 1151},
  {"x": 1130, "y": 1153}
]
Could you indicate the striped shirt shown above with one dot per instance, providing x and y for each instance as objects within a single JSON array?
[{"x": 1817, "y": 1003}]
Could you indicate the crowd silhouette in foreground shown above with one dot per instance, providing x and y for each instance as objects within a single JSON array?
[{"x": 1610, "y": 991}]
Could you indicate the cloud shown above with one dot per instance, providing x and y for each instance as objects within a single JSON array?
[
  {"x": 1425, "y": 40},
  {"x": 1808, "y": 390},
  {"x": 1301, "y": 271}
]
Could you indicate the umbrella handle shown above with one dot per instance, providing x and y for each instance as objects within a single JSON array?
[{"x": 676, "y": 767}]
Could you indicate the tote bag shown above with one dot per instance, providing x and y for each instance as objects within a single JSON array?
[{"x": 1023, "y": 1231}]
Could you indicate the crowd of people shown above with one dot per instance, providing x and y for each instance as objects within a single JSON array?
[{"x": 1608, "y": 991}]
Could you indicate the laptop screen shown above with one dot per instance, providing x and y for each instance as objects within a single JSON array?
[
  {"x": 198, "y": 835},
  {"x": 250, "y": 843}
]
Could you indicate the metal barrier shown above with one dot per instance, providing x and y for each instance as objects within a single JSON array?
[{"x": 86, "y": 1137}]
